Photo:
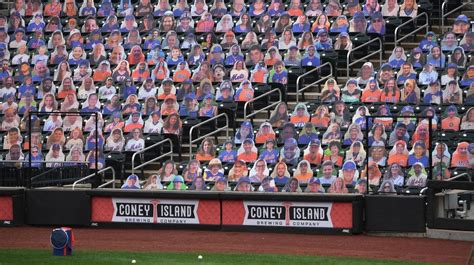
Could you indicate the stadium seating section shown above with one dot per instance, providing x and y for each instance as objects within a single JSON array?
[{"x": 85, "y": 85}]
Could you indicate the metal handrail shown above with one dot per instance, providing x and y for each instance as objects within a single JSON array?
[
  {"x": 423, "y": 191},
  {"x": 43, "y": 173},
  {"x": 94, "y": 174},
  {"x": 379, "y": 51},
  {"x": 110, "y": 181},
  {"x": 443, "y": 15},
  {"x": 226, "y": 128},
  {"x": 460, "y": 176},
  {"x": 44, "y": 162},
  {"x": 418, "y": 28},
  {"x": 265, "y": 108},
  {"x": 298, "y": 90},
  {"x": 67, "y": 113},
  {"x": 10, "y": 5},
  {"x": 170, "y": 153}
]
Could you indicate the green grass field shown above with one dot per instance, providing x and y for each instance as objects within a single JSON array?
[{"x": 27, "y": 256}]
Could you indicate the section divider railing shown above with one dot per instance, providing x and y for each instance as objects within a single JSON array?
[
  {"x": 255, "y": 112},
  {"x": 379, "y": 51},
  {"x": 460, "y": 176},
  {"x": 226, "y": 128},
  {"x": 417, "y": 27},
  {"x": 445, "y": 15},
  {"x": 170, "y": 153},
  {"x": 298, "y": 90},
  {"x": 94, "y": 174},
  {"x": 50, "y": 169}
]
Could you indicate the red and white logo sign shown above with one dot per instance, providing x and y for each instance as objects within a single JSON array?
[
  {"x": 292, "y": 214},
  {"x": 155, "y": 211},
  {"x": 287, "y": 214}
]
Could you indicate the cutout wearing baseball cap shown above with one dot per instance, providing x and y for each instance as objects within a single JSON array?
[
  {"x": 462, "y": 19},
  {"x": 314, "y": 180},
  {"x": 56, "y": 147},
  {"x": 241, "y": 181},
  {"x": 221, "y": 179},
  {"x": 349, "y": 165},
  {"x": 315, "y": 142},
  {"x": 352, "y": 3},
  {"x": 178, "y": 178},
  {"x": 386, "y": 67},
  {"x": 359, "y": 16}
]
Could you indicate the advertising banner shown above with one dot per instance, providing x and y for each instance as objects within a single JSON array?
[
  {"x": 287, "y": 214},
  {"x": 155, "y": 211},
  {"x": 6, "y": 210}
]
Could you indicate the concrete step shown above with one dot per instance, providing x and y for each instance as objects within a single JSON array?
[
  {"x": 450, "y": 234},
  {"x": 79, "y": 186}
]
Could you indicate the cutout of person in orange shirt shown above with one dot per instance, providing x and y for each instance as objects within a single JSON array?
[
  {"x": 67, "y": 87},
  {"x": 141, "y": 72},
  {"x": 259, "y": 74},
  {"x": 398, "y": 154},
  {"x": 461, "y": 156},
  {"x": 371, "y": 93},
  {"x": 303, "y": 171},
  {"x": 295, "y": 9},
  {"x": 247, "y": 151},
  {"x": 452, "y": 121},
  {"x": 264, "y": 133},
  {"x": 300, "y": 115},
  {"x": 206, "y": 151},
  {"x": 102, "y": 72},
  {"x": 421, "y": 134},
  {"x": 390, "y": 92},
  {"x": 53, "y": 8},
  {"x": 136, "y": 55},
  {"x": 321, "y": 117},
  {"x": 372, "y": 172},
  {"x": 182, "y": 73},
  {"x": 314, "y": 153},
  {"x": 206, "y": 23},
  {"x": 384, "y": 110},
  {"x": 170, "y": 106},
  {"x": 166, "y": 89},
  {"x": 244, "y": 92},
  {"x": 134, "y": 121},
  {"x": 272, "y": 56}
]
